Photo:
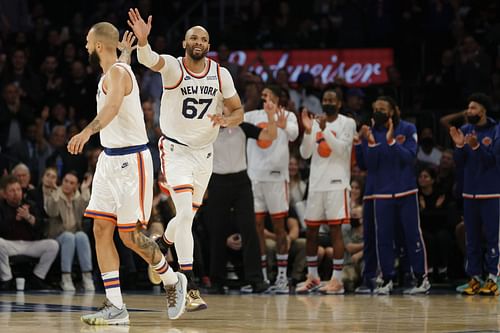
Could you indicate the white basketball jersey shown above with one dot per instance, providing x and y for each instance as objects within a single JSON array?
[
  {"x": 127, "y": 128},
  {"x": 331, "y": 161},
  {"x": 185, "y": 107}
]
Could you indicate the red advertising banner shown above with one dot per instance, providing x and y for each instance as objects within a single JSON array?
[{"x": 358, "y": 67}]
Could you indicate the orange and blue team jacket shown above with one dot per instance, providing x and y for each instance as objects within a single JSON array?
[
  {"x": 392, "y": 164},
  {"x": 477, "y": 166}
]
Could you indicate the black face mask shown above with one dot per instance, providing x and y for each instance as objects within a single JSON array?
[
  {"x": 380, "y": 118},
  {"x": 261, "y": 104},
  {"x": 329, "y": 109},
  {"x": 94, "y": 59},
  {"x": 473, "y": 119},
  {"x": 427, "y": 143},
  {"x": 355, "y": 222}
]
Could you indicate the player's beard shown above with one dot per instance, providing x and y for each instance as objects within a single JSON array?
[
  {"x": 190, "y": 51},
  {"x": 94, "y": 60}
]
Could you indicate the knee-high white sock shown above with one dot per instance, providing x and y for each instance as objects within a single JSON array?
[
  {"x": 312, "y": 266},
  {"x": 338, "y": 266},
  {"x": 111, "y": 282},
  {"x": 167, "y": 274}
]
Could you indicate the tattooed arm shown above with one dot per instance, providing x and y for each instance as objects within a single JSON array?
[
  {"x": 126, "y": 47},
  {"x": 118, "y": 83}
]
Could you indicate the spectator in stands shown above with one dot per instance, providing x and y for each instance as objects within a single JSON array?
[
  {"x": 65, "y": 207},
  {"x": 42, "y": 192},
  {"x": 354, "y": 107},
  {"x": 437, "y": 223},
  {"x": 428, "y": 153},
  {"x": 23, "y": 175},
  {"x": 305, "y": 95},
  {"x": 297, "y": 189},
  {"x": 21, "y": 230},
  {"x": 15, "y": 115}
]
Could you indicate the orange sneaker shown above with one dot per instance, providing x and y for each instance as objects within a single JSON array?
[
  {"x": 308, "y": 286},
  {"x": 333, "y": 287}
]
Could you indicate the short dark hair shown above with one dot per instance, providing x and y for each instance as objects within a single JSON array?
[
  {"x": 276, "y": 90},
  {"x": 8, "y": 180},
  {"x": 392, "y": 102},
  {"x": 482, "y": 99}
]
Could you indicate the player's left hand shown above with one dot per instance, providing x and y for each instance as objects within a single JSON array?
[
  {"x": 218, "y": 119},
  {"x": 127, "y": 43},
  {"x": 322, "y": 121},
  {"x": 75, "y": 145}
]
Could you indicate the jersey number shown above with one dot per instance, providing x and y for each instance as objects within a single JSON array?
[{"x": 189, "y": 109}]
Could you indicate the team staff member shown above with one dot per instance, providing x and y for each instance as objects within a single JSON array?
[
  {"x": 391, "y": 154},
  {"x": 474, "y": 156}
]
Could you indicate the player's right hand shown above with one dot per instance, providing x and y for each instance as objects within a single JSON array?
[
  {"x": 141, "y": 29},
  {"x": 76, "y": 144},
  {"x": 457, "y": 136},
  {"x": 307, "y": 121}
]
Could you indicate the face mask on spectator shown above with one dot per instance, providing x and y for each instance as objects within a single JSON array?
[
  {"x": 380, "y": 118},
  {"x": 427, "y": 143},
  {"x": 329, "y": 109}
]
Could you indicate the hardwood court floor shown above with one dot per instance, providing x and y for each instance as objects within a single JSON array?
[{"x": 40, "y": 313}]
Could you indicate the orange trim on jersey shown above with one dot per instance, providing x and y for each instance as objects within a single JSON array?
[
  {"x": 338, "y": 221},
  {"x": 220, "y": 78},
  {"x": 183, "y": 188},
  {"x": 260, "y": 214},
  {"x": 127, "y": 227},
  {"x": 142, "y": 182},
  {"x": 314, "y": 223},
  {"x": 97, "y": 215},
  {"x": 178, "y": 82},
  {"x": 279, "y": 215},
  {"x": 198, "y": 76}
]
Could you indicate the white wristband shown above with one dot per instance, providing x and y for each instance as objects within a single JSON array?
[{"x": 146, "y": 56}]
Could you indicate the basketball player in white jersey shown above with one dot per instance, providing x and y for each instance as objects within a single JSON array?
[
  {"x": 329, "y": 141},
  {"x": 196, "y": 89},
  {"x": 122, "y": 185},
  {"x": 268, "y": 170}
]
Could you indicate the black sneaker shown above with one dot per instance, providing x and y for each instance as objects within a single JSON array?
[
  {"x": 38, "y": 284},
  {"x": 6, "y": 285}
]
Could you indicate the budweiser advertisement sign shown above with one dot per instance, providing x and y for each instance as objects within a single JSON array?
[{"x": 358, "y": 67}]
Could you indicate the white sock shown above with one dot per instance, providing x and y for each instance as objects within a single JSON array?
[
  {"x": 263, "y": 264},
  {"x": 312, "y": 266},
  {"x": 282, "y": 260},
  {"x": 493, "y": 277},
  {"x": 111, "y": 282},
  {"x": 167, "y": 274},
  {"x": 338, "y": 266}
]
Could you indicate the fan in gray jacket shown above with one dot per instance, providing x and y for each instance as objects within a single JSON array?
[{"x": 65, "y": 207}]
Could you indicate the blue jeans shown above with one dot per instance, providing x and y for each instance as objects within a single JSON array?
[{"x": 68, "y": 242}]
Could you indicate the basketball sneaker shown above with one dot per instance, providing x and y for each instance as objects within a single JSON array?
[
  {"x": 308, "y": 286},
  {"x": 473, "y": 287},
  {"x": 194, "y": 301},
  {"x": 490, "y": 288},
  {"x": 384, "y": 289},
  {"x": 422, "y": 288},
  {"x": 460, "y": 289},
  {"x": 108, "y": 314},
  {"x": 176, "y": 297},
  {"x": 332, "y": 287},
  {"x": 280, "y": 286}
]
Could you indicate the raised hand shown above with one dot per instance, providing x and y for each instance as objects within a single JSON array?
[
  {"x": 141, "y": 29},
  {"x": 307, "y": 121},
  {"x": 390, "y": 130},
  {"x": 457, "y": 136},
  {"x": 126, "y": 45},
  {"x": 282, "y": 118},
  {"x": 366, "y": 133}
]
